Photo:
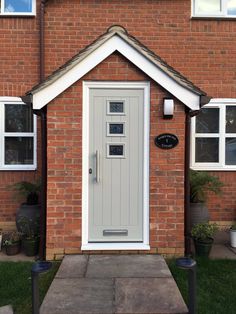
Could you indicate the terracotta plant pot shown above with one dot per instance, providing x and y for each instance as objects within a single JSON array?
[{"x": 203, "y": 248}]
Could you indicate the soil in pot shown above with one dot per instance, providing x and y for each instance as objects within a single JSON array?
[
  {"x": 30, "y": 246},
  {"x": 203, "y": 248},
  {"x": 13, "y": 249}
]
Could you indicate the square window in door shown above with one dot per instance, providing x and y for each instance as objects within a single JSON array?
[
  {"x": 116, "y": 129},
  {"x": 115, "y": 107},
  {"x": 115, "y": 150}
]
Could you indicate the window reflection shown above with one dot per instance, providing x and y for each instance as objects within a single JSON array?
[
  {"x": 18, "y": 6},
  {"x": 231, "y": 7},
  {"x": 209, "y": 6},
  {"x": 207, "y": 149},
  {"x": 18, "y": 118}
]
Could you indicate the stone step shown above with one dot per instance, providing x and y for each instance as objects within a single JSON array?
[
  {"x": 7, "y": 309},
  {"x": 125, "y": 284}
]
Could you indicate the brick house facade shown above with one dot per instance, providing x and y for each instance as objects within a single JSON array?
[{"x": 200, "y": 49}]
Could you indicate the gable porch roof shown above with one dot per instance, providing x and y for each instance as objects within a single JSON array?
[{"x": 117, "y": 39}]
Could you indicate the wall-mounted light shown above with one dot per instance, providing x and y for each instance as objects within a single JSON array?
[{"x": 168, "y": 108}]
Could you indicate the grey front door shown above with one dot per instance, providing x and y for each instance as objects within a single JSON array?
[{"x": 116, "y": 145}]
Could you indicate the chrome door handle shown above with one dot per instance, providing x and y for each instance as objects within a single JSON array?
[{"x": 97, "y": 166}]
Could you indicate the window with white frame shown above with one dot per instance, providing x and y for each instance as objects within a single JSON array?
[
  {"x": 18, "y": 7},
  {"x": 214, "y": 8},
  {"x": 17, "y": 135},
  {"x": 214, "y": 136}
]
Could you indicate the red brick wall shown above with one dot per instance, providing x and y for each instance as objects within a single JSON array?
[
  {"x": 65, "y": 166},
  {"x": 19, "y": 71},
  {"x": 223, "y": 207},
  {"x": 202, "y": 50}
]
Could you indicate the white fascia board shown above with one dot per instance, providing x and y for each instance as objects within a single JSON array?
[
  {"x": 10, "y": 99},
  {"x": 45, "y": 95},
  {"x": 222, "y": 101}
]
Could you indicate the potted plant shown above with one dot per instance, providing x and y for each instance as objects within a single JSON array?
[
  {"x": 12, "y": 243},
  {"x": 30, "y": 236},
  {"x": 30, "y": 208},
  {"x": 233, "y": 235},
  {"x": 202, "y": 234},
  {"x": 200, "y": 184}
]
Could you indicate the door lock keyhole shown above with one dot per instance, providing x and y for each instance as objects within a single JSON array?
[{"x": 90, "y": 170}]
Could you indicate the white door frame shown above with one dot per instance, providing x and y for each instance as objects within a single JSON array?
[{"x": 87, "y": 85}]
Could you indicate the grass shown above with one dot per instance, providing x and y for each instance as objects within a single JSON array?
[
  {"x": 15, "y": 286},
  {"x": 216, "y": 285}
]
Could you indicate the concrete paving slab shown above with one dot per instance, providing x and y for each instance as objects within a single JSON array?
[
  {"x": 148, "y": 295},
  {"x": 219, "y": 251},
  {"x": 79, "y": 295},
  {"x": 110, "y": 266},
  {"x": 232, "y": 249},
  {"x": 221, "y": 237},
  {"x": 15, "y": 258},
  {"x": 73, "y": 266},
  {"x": 7, "y": 309}
]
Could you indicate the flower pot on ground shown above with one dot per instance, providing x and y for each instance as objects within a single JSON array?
[
  {"x": 0, "y": 239},
  {"x": 200, "y": 183},
  {"x": 30, "y": 246},
  {"x": 30, "y": 236},
  {"x": 202, "y": 234},
  {"x": 30, "y": 208},
  {"x": 233, "y": 235},
  {"x": 12, "y": 243}
]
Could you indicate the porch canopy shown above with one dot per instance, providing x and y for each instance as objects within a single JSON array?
[{"x": 117, "y": 39}]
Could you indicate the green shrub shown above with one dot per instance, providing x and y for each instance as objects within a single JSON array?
[
  {"x": 200, "y": 183},
  {"x": 203, "y": 231}
]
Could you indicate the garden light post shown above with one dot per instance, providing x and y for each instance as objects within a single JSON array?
[
  {"x": 190, "y": 265},
  {"x": 37, "y": 268}
]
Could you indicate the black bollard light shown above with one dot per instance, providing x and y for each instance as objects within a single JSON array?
[
  {"x": 37, "y": 268},
  {"x": 190, "y": 265}
]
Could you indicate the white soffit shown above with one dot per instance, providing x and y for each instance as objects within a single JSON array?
[{"x": 115, "y": 43}]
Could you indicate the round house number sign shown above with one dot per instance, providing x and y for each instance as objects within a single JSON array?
[{"x": 166, "y": 141}]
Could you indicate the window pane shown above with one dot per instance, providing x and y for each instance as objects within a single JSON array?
[
  {"x": 231, "y": 7},
  {"x": 18, "y": 5},
  {"x": 116, "y": 106},
  {"x": 116, "y": 150},
  {"x": 116, "y": 128},
  {"x": 207, "y": 149},
  {"x": 230, "y": 119},
  {"x": 230, "y": 151},
  {"x": 19, "y": 150},
  {"x": 208, "y": 6},
  {"x": 207, "y": 121},
  {"x": 18, "y": 118}
]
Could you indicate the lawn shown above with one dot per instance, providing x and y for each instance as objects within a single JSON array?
[
  {"x": 216, "y": 285},
  {"x": 15, "y": 285}
]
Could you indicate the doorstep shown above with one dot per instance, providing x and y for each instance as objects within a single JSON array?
[{"x": 113, "y": 284}]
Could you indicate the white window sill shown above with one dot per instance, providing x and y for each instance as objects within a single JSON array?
[
  {"x": 114, "y": 246},
  {"x": 212, "y": 17},
  {"x": 18, "y": 168},
  {"x": 16, "y": 14},
  {"x": 214, "y": 168}
]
